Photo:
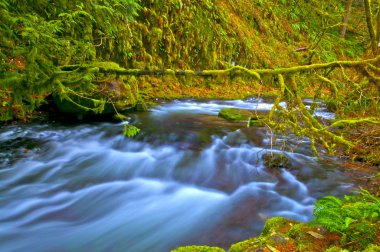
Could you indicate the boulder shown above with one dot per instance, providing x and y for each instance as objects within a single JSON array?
[
  {"x": 106, "y": 95},
  {"x": 276, "y": 161},
  {"x": 242, "y": 115}
]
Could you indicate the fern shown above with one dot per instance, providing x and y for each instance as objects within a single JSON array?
[
  {"x": 130, "y": 130},
  {"x": 45, "y": 35},
  {"x": 356, "y": 217}
]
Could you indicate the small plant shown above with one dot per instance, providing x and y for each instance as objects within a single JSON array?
[
  {"x": 130, "y": 130},
  {"x": 355, "y": 217}
]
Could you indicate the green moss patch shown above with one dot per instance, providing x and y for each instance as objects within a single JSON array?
[{"x": 234, "y": 114}]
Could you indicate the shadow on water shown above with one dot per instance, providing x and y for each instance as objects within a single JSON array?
[{"x": 189, "y": 177}]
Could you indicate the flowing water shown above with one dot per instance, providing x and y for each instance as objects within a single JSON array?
[{"x": 189, "y": 177}]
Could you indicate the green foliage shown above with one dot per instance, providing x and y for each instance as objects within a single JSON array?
[
  {"x": 356, "y": 217},
  {"x": 130, "y": 130},
  {"x": 36, "y": 37},
  {"x": 272, "y": 224}
]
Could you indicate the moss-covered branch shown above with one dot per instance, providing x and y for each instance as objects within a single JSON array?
[
  {"x": 236, "y": 70},
  {"x": 340, "y": 123}
]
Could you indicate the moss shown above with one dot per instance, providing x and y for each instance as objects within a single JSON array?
[
  {"x": 272, "y": 225},
  {"x": 198, "y": 249},
  {"x": 336, "y": 249},
  {"x": 141, "y": 106},
  {"x": 98, "y": 93},
  {"x": 235, "y": 114},
  {"x": 151, "y": 104},
  {"x": 297, "y": 230},
  {"x": 119, "y": 117},
  {"x": 373, "y": 248},
  {"x": 256, "y": 121},
  {"x": 276, "y": 161},
  {"x": 252, "y": 244}
]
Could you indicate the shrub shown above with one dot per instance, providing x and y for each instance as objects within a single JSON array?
[{"x": 355, "y": 217}]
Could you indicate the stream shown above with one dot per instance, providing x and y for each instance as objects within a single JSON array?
[{"x": 188, "y": 178}]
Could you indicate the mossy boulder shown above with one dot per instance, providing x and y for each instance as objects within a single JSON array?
[
  {"x": 242, "y": 115},
  {"x": 92, "y": 89},
  {"x": 276, "y": 161},
  {"x": 272, "y": 238},
  {"x": 281, "y": 234},
  {"x": 198, "y": 249},
  {"x": 234, "y": 114},
  {"x": 252, "y": 244},
  {"x": 272, "y": 225},
  {"x": 109, "y": 94},
  {"x": 141, "y": 106}
]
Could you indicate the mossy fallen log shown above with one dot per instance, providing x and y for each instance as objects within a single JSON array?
[
  {"x": 340, "y": 123},
  {"x": 235, "y": 71},
  {"x": 295, "y": 117}
]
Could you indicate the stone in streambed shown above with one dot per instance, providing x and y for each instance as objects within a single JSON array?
[
  {"x": 242, "y": 115},
  {"x": 276, "y": 161}
]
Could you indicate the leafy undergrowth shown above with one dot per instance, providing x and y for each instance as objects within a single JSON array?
[
  {"x": 340, "y": 225},
  {"x": 368, "y": 138},
  {"x": 363, "y": 159}
]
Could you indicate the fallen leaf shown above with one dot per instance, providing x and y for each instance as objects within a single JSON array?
[
  {"x": 315, "y": 235},
  {"x": 272, "y": 248}
]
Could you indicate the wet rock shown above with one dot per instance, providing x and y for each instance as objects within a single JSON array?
[
  {"x": 276, "y": 161},
  {"x": 273, "y": 224},
  {"x": 277, "y": 238},
  {"x": 234, "y": 114},
  {"x": 242, "y": 115},
  {"x": 107, "y": 97},
  {"x": 82, "y": 94},
  {"x": 141, "y": 106},
  {"x": 256, "y": 122}
]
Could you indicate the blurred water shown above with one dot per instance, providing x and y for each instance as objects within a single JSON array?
[{"x": 188, "y": 178}]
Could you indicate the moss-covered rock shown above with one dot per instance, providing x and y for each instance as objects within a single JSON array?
[
  {"x": 272, "y": 238},
  {"x": 256, "y": 122},
  {"x": 273, "y": 224},
  {"x": 252, "y": 244},
  {"x": 85, "y": 90},
  {"x": 234, "y": 114},
  {"x": 141, "y": 106},
  {"x": 297, "y": 230},
  {"x": 242, "y": 115},
  {"x": 276, "y": 161}
]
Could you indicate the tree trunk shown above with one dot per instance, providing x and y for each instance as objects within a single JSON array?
[
  {"x": 371, "y": 29},
  {"x": 345, "y": 19},
  {"x": 378, "y": 23}
]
